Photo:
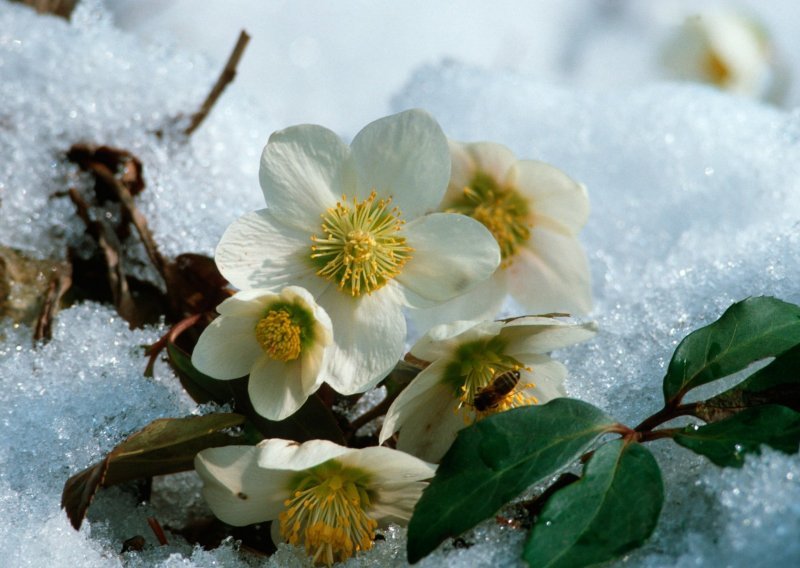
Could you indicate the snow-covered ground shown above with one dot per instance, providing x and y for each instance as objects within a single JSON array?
[{"x": 695, "y": 204}]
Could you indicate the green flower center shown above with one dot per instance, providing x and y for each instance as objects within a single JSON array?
[
  {"x": 327, "y": 513},
  {"x": 501, "y": 209},
  {"x": 360, "y": 249},
  {"x": 486, "y": 380},
  {"x": 284, "y": 331}
]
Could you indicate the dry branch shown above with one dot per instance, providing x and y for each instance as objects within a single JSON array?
[{"x": 227, "y": 75}]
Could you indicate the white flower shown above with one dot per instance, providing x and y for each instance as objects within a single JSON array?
[
  {"x": 325, "y": 497},
  {"x": 534, "y": 212},
  {"x": 477, "y": 369},
  {"x": 281, "y": 340},
  {"x": 727, "y": 49},
  {"x": 350, "y": 225}
]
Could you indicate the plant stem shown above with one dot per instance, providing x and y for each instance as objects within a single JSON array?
[{"x": 666, "y": 414}]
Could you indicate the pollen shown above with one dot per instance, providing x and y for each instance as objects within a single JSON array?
[
  {"x": 501, "y": 209},
  {"x": 327, "y": 515},
  {"x": 279, "y": 335},
  {"x": 361, "y": 248}
]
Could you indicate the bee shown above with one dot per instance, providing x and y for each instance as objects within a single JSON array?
[{"x": 492, "y": 394}]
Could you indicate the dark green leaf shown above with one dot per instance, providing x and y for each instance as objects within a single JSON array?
[
  {"x": 164, "y": 446},
  {"x": 777, "y": 383},
  {"x": 727, "y": 442},
  {"x": 611, "y": 510},
  {"x": 748, "y": 331},
  {"x": 493, "y": 461}
]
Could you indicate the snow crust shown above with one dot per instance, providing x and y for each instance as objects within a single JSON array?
[{"x": 694, "y": 205}]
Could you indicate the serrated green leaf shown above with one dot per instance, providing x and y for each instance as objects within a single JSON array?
[
  {"x": 494, "y": 460},
  {"x": 726, "y": 443},
  {"x": 777, "y": 383},
  {"x": 611, "y": 510},
  {"x": 164, "y": 446},
  {"x": 748, "y": 331}
]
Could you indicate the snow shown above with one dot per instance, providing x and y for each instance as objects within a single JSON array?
[{"x": 694, "y": 206}]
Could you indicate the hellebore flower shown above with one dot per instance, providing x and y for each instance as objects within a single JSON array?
[
  {"x": 477, "y": 369},
  {"x": 534, "y": 211},
  {"x": 350, "y": 225},
  {"x": 319, "y": 495},
  {"x": 281, "y": 340},
  {"x": 727, "y": 49}
]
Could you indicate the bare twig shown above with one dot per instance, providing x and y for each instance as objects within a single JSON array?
[
  {"x": 228, "y": 74},
  {"x": 58, "y": 285},
  {"x": 155, "y": 526},
  {"x": 126, "y": 200},
  {"x": 107, "y": 240}
]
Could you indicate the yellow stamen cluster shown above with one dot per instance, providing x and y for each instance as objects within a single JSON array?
[
  {"x": 501, "y": 209},
  {"x": 361, "y": 249},
  {"x": 718, "y": 71},
  {"x": 279, "y": 336},
  {"x": 327, "y": 515}
]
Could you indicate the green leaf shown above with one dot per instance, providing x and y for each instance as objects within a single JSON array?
[
  {"x": 164, "y": 446},
  {"x": 611, "y": 510},
  {"x": 727, "y": 442},
  {"x": 777, "y": 383},
  {"x": 748, "y": 331},
  {"x": 494, "y": 460}
]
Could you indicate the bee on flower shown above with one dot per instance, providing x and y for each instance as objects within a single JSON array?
[
  {"x": 324, "y": 497},
  {"x": 534, "y": 211},
  {"x": 476, "y": 369}
]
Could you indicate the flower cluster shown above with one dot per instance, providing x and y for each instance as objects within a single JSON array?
[{"x": 352, "y": 236}]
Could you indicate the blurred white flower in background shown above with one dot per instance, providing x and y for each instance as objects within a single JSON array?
[
  {"x": 475, "y": 369},
  {"x": 319, "y": 495},
  {"x": 728, "y": 49}
]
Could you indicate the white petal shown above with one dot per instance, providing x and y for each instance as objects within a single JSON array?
[
  {"x": 542, "y": 335},
  {"x": 369, "y": 335},
  {"x": 547, "y": 375},
  {"x": 259, "y": 251},
  {"x": 430, "y": 434},
  {"x": 247, "y": 303},
  {"x": 227, "y": 348},
  {"x": 276, "y": 389},
  {"x": 404, "y": 156},
  {"x": 388, "y": 467},
  {"x": 443, "y": 340},
  {"x": 551, "y": 274},
  {"x": 481, "y": 303},
  {"x": 557, "y": 201},
  {"x": 304, "y": 170},
  {"x": 416, "y": 399},
  {"x": 238, "y": 491},
  {"x": 278, "y": 454},
  {"x": 396, "y": 505},
  {"x": 462, "y": 171},
  {"x": 493, "y": 159},
  {"x": 452, "y": 254}
]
